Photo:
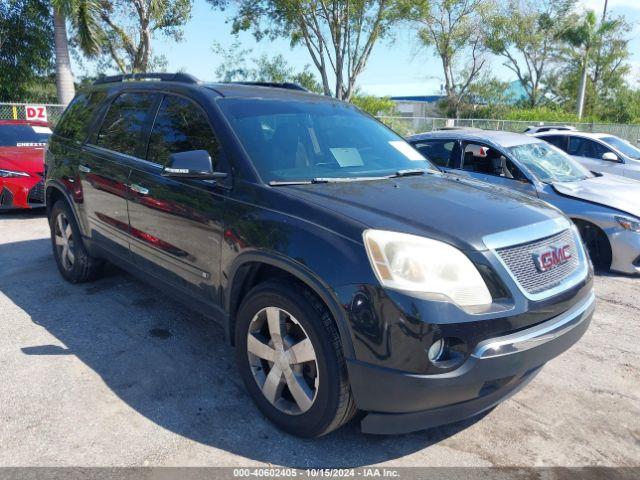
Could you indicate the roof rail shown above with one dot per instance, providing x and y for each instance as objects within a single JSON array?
[
  {"x": 163, "y": 77},
  {"x": 287, "y": 85}
]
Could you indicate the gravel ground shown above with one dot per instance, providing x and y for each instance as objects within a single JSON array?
[{"x": 112, "y": 373}]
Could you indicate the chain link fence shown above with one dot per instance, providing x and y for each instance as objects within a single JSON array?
[
  {"x": 412, "y": 125},
  {"x": 18, "y": 111}
]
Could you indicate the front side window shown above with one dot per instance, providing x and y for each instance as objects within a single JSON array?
[
  {"x": 23, "y": 135},
  {"x": 437, "y": 151},
  {"x": 305, "y": 139},
  {"x": 180, "y": 126},
  {"x": 124, "y": 123},
  {"x": 623, "y": 146},
  {"x": 584, "y": 147},
  {"x": 489, "y": 161},
  {"x": 548, "y": 163}
]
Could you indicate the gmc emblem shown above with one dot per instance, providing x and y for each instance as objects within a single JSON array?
[{"x": 551, "y": 256}]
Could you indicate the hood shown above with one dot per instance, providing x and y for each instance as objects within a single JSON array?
[
  {"x": 607, "y": 190},
  {"x": 23, "y": 159},
  {"x": 450, "y": 209}
]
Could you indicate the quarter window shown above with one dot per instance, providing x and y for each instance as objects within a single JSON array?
[
  {"x": 125, "y": 122},
  {"x": 75, "y": 122},
  {"x": 180, "y": 126}
]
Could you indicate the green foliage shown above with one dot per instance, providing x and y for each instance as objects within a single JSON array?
[
  {"x": 26, "y": 47},
  {"x": 339, "y": 35},
  {"x": 237, "y": 65},
  {"x": 374, "y": 105},
  {"x": 526, "y": 34}
]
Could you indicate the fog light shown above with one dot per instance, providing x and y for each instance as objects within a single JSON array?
[
  {"x": 448, "y": 352},
  {"x": 436, "y": 351}
]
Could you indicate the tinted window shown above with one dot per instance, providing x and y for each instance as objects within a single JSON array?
[
  {"x": 180, "y": 126},
  {"x": 307, "y": 139},
  {"x": 77, "y": 117},
  {"x": 124, "y": 123},
  {"x": 23, "y": 135},
  {"x": 438, "y": 151},
  {"x": 556, "y": 140},
  {"x": 583, "y": 147}
]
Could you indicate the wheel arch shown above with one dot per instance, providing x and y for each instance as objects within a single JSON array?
[
  {"x": 584, "y": 222},
  {"x": 54, "y": 192},
  {"x": 251, "y": 268}
]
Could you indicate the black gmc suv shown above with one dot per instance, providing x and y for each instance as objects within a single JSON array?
[{"x": 347, "y": 270}]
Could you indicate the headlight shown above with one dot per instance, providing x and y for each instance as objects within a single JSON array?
[
  {"x": 629, "y": 223},
  {"x": 12, "y": 173},
  {"x": 416, "y": 264}
]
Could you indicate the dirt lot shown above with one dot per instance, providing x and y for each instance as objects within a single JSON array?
[{"x": 112, "y": 373}]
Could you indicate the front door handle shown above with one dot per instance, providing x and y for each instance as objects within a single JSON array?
[
  {"x": 84, "y": 168},
  {"x": 139, "y": 189}
]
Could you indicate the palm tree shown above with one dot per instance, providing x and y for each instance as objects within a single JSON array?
[
  {"x": 586, "y": 35},
  {"x": 83, "y": 15}
]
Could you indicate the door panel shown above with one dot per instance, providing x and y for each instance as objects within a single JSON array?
[
  {"x": 176, "y": 224},
  {"x": 104, "y": 195}
]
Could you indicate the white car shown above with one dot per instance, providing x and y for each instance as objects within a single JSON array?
[
  {"x": 599, "y": 152},
  {"x": 547, "y": 128}
]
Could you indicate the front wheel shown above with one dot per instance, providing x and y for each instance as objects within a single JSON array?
[
  {"x": 73, "y": 261},
  {"x": 290, "y": 358}
]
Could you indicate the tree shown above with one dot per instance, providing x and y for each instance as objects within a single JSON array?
[
  {"x": 527, "y": 33},
  {"x": 237, "y": 65},
  {"x": 339, "y": 35},
  {"x": 26, "y": 37},
  {"x": 588, "y": 35},
  {"x": 454, "y": 29},
  {"x": 127, "y": 28}
]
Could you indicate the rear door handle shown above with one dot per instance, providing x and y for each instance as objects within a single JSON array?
[
  {"x": 84, "y": 169},
  {"x": 138, "y": 189}
]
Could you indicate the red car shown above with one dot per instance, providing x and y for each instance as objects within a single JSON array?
[{"x": 22, "y": 146}]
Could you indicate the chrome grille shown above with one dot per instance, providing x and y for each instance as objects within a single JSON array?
[
  {"x": 36, "y": 194},
  {"x": 519, "y": 260}
]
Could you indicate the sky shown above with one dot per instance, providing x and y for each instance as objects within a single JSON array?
[{"x": 396, "y": 67}]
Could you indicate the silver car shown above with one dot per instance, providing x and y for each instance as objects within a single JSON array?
[
  {"x": 598, "y": 152},
  {"x": 605, "y": 208}
]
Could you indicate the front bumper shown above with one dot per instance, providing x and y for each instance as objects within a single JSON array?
[
  {"x": 21, "y": 192},
  {"x": 625, "y": 250},
  {"x": 400, "y": 402}
]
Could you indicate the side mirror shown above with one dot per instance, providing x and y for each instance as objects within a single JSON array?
[
  {"x": 192, "y": 164},
  {"x": 610, "y": 157}
]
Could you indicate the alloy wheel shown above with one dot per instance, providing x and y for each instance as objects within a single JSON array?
[
  {"x": 282, "y": 360},
  {"x": 64, "y": 241}
]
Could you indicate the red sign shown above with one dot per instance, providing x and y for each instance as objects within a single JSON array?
[
  {"x": 36, "y": 113},
  {"x": 551, "y": 257}
]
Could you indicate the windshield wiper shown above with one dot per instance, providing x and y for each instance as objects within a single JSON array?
[
  {"x": 280, "y": 183},
  {"x": 408, "y": 173}
]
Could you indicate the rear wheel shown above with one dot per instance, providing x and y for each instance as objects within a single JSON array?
[
  {"x": 73, "y": 261},
  {"x": 597, "y": 244},
  {"x": 290, "y": 358}
]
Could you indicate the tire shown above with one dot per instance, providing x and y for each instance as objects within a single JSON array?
[
  {"x": 597, "y": 245},
  {"x": 327, "y": 403},
  {"x": 73, "y": 261}
]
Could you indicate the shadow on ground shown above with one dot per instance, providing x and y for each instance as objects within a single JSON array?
[{"x": 172, "y": 365}]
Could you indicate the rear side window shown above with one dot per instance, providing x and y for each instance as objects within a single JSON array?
[
  {"x": 75, "y": 123},
  {"x": 438, "y": 151},
  {"x": 556, "y": 140},
  {"x": 180, "y": 126},
  {"x": 124, "y": 123}
]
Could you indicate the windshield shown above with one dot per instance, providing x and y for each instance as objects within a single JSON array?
[
  {"x": 549, "y": 164},
  {"x": 309, "y": 139},
  {"x": 623, "y": 146},
  {"x": 23, "y": 135}
]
